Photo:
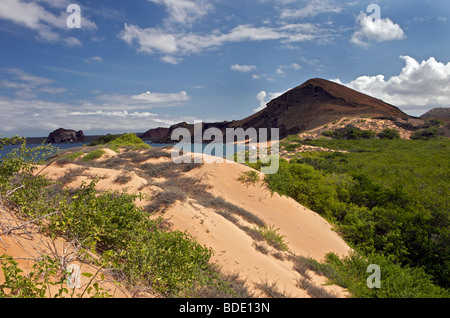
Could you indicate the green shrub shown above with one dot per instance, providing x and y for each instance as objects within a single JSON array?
[
  {"x": 385, "y": 196},
  {"x": 93, "y": 155},
  {"x": 128, "y": 140},
  {"x": 249, "y": 177},
  {"x": 37, "y": 283},
  {"x": 273, "y": 238},
  {"x": 103, "y": 140},
  {"x": 349, "y": 132},
  {"x": 425, "y": 134},
  {"x": 389, "y": 133},
  {"x": 396, "y": 281},
  {"x": 134, "y": 247},
  {"x": 433, "y": 123}
]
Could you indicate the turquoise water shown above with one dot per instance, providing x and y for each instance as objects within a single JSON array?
[{"x": 195, "y": 148}]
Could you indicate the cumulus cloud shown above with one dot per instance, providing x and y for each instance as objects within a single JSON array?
[
  {"x": 371, "y": 30},
  {"x": 263, "y": 98},
  {"x": 243, "y": 68},
  {"x": 419, "y": 87}
]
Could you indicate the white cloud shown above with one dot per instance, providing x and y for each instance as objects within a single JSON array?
[
  {"x": 21, "y": 75},
  {"x": 119, "y": 114},
  {"x": 161, "y": 41},
  {"x": 281, "y": 69},
  {"x": 162, "y": 98},
  {"x": 419, "y": 87},
  {"x": 122, "y": 114},
  {"x": 296, "y": 67},
  {"x": 184, "y": 12},
  {"x": 72, "y": 42},
  {"x": 149, "y": 40},
  {"x": 311, "y": 9},
  {"x": 171, "y": 59},
  {"x": 94, "y": 59},
  {"x": 55, "y": 3},
  {"x": 34, "y": 16},
  {"x": 263, "y": 98},
  {"x": 27, "y": 85},
  {"x": 243, "y": 68},
  {"x": 371, "y": 30}
]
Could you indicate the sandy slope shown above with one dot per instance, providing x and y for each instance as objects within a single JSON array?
[{"x": 306, "y": 233}]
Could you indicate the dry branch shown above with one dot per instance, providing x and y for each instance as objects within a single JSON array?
[{"x": 27, "y": 223}]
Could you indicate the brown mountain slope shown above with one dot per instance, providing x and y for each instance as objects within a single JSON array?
[
  {"x": 441, "y": 113},
  {"x": 314, "y": 103}
]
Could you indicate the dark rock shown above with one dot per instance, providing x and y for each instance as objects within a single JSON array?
[
  {"x": 62, "y": 135},
  {"x": 155, "y": 134}
]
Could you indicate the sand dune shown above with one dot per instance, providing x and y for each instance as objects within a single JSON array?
[{"x": 306, "y": 233}]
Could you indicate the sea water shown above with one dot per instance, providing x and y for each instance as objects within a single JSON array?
[{"x": 195, "y": 148}]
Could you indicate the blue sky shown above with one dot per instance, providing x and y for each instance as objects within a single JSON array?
[{"x": 141, "y": 64}]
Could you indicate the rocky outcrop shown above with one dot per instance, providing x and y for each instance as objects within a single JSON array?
[
  {"x": 62, "y": 135},
  {"x": 155, "y": 134},
  {"x": 310, "y": 105}
]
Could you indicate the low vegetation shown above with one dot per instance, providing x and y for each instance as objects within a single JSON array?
[
  {"x": 138, "y": 251},
  {"x": 249, "y": 177},
  {"x": 115, "y": 142},
  {"x": 93, "y": 155},
  {"x": 349, "y": 132},
  {"x": 103, "y": 140},
  {"x": 389, "y": 199},
  {"x": 128, "y": 141}
]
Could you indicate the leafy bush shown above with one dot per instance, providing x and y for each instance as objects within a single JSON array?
[
  {"x": 128, "y": 140},
  {"x": 396, "y": 281},
  {"x": 425, "y": 134},
  {"x": 249, "y": 177},
  {"x": 271, "y": 235},
  {"x": 45, "y": 273},
  {"x": 433, "y": 123},
  {"x": 389, "y": 133},
  {"x": 133, "y": 246},
  {"x": 93, "y": 155},
  {"x": 103, "y": 140},
  {"x": 385, "y": 196},
  {"x": 349, "y": 132},
  {"x": 33, "y": 285},
  {"x": 69, "y": 158}
]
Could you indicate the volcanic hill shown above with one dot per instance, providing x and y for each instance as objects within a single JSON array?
[{"x": 312, "y": 104}]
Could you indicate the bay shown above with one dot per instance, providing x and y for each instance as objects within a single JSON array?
[{"x": 227, "y": 150}]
